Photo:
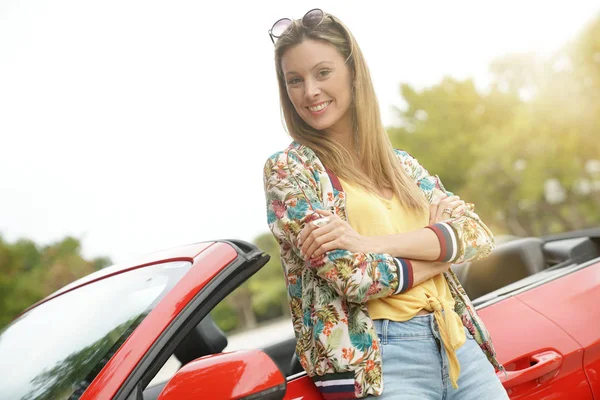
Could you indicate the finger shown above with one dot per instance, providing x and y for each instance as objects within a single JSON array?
[
  {"x": 316, "y": 233},
  {"x": 321, "y": 221},
  {"x": 455, "y": 204},
  {"x": 324, "y": 248},
  {"x": 314, "y": 223},
  {"x": 448, "y": 210},
  {"x": 432, "y": 212},
  {"x": 316, "y": 248},
  {"x": 313, "y": 241},
  {"x": 308, "y": 228},
  {"x": 458, "y": 211},
  {"x": 324, "y": 212},
  {"x": 449, "y": 200},
  {"x": 442, "y": 212},
  {"x": 452, "y": 204},
  {"x": 444, "y": 202}
]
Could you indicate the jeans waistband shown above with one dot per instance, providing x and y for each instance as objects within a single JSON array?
[{"x": 418, "y": 327}]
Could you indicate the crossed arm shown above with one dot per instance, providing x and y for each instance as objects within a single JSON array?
[
  {"x": 356, "y": 267},
  {"x": 423, "y": 244},
  {"x": 421, "y": 247}
]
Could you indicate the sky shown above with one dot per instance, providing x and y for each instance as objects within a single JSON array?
[{"x": 139, "y": 125}]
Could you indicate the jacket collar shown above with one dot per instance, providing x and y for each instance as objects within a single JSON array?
[{"x": 335, "y": 181}]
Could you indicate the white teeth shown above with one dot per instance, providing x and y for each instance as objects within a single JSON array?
[{"x": 319, "y": 107}]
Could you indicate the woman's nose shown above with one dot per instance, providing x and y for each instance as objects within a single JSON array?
[{"x": 311, "y": 89}]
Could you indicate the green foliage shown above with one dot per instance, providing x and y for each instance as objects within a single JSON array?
[
  {"x": 447, "y": 119},
  {"x": 225, "y": 316},
  {"x": 29, "y": 272},
  {"x": 527, "y": 151},
  {"x": 268, "y": 285},
  {"x": 261, "y": 298}
]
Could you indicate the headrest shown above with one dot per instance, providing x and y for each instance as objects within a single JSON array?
[
  {"x": 508, "y": 263},
  {"x": 206, "y": 338}
]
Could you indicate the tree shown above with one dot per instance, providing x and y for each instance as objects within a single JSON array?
[
  {"x": 262, "y": 297},
  {"x": 269, "y": 291},
  {"x": 450, "y": 118},
  {"x": 527, "y": 150},
  {"x": 28, "y": 272}
]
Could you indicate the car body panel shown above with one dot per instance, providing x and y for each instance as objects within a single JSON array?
[
  {"x": 530, "y": 333},
  {"x": 206, "y": 266},
  {"x": 572, "y": 303}
]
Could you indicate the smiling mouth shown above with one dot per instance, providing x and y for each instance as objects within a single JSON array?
[{"x": 319, "y": 107}]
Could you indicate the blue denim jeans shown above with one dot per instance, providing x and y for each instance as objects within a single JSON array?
[{"x": 415, "y": 365}]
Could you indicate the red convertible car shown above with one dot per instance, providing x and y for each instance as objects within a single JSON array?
[{"x": 107, "y": 335}]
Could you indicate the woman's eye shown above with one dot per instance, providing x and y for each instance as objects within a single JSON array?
[
  {"x": 294, "y": 81},
  {"x": 324, "y": 73}
]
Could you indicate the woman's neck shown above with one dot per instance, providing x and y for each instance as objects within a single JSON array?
[{"x": 343, "y": 134}]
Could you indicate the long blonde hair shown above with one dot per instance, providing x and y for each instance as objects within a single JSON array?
[{"x": 379, "y": 165}]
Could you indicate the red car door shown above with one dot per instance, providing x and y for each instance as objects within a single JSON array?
[
  {"x": 572, "y": 303},
  {"x": 542, "y": 360}
]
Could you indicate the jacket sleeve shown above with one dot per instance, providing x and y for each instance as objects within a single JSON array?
[
  {"x": 292, "y": 195},
  {"x": 462, "y": 238}
]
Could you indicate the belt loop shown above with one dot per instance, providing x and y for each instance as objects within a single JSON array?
[
  {"x": 434, "y": 327},
  {"x": 384, "y": 330}
]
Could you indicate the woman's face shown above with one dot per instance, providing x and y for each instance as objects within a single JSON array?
[{"x": 319, "y": 85}]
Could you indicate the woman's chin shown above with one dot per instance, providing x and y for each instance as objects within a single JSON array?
[{"x": 319, "y": 125}]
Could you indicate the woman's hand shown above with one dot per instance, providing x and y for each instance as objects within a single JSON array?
[
  {"x": 329, "y": 233},
  {"x": 445, "y": 209}
]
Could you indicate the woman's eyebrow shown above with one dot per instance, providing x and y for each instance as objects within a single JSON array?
[
  {"x": 322, "y": 62},
  {"x": 313, "y": 68}
]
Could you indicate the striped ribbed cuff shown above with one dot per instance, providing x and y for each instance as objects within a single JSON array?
[
  {"x": 405, "y": 275},
  {"x": 447, "y": 238},
  {"x": 336, "y": 386}
]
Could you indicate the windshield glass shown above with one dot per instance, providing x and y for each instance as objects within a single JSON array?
[{"x": 56, "y": 349}]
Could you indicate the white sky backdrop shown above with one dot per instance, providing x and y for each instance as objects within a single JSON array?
[{"x": 137, "y": 125}]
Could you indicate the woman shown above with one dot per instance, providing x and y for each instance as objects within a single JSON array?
[{"x": 367, "y": 236}]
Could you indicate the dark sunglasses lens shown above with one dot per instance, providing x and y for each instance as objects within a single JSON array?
[
  {"x": 313, "y": 18},
  {"x": 281, "y": 27}
]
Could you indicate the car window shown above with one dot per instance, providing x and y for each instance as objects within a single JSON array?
[
  {"x": 269, "y": 329},
  {"x": 56, "y": 349}
]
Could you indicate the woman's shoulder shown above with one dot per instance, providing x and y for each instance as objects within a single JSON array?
[
  {"x": 411, "y": 165},
  {"x": 404, "y": 155},
  {"x": 294, "y": 152},
  {"x": 408, "y": 161}
]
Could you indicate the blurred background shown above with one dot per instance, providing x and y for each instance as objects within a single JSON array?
[{"x": 131, "y": 126}]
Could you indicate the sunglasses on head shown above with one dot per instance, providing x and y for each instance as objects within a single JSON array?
[{"x": 283, "y": 26}]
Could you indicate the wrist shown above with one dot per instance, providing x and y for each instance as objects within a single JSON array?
[{"x": 373, "y": 243}]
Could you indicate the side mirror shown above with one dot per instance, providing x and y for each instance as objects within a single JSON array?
[{"x": 240, "y": 374}]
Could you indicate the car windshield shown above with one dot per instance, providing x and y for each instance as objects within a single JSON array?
[{"x": 56, "y": 349}]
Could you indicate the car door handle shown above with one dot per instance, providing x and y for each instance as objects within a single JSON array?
[{"x": 538, "y": 366}]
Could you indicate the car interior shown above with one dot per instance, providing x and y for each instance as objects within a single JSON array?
[{"x": 512, "y": 265}]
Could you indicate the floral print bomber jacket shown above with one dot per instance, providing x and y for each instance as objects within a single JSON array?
[{"x": 337, "y": 344}]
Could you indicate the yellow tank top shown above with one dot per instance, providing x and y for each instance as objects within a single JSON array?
[{"x": 371, "y": 215}]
